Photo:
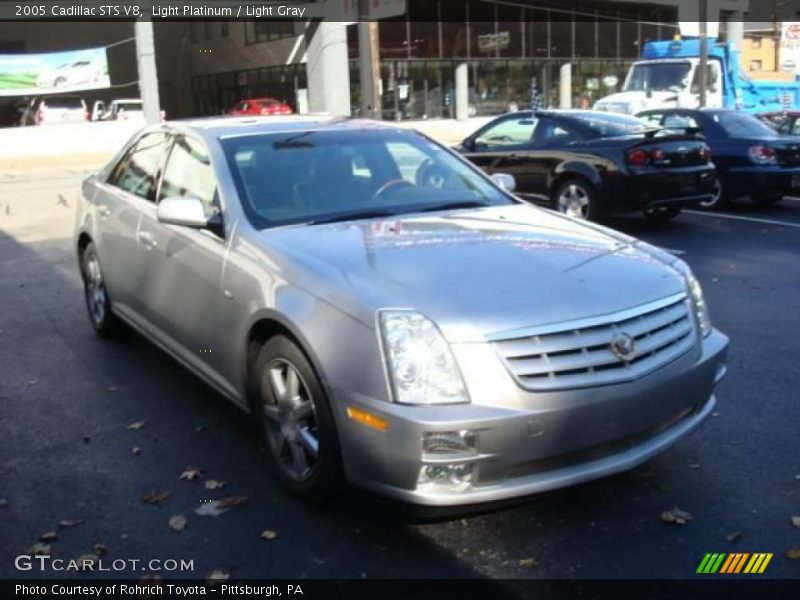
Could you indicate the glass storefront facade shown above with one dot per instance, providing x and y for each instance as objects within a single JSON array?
[{"x": 506, "y": 46}]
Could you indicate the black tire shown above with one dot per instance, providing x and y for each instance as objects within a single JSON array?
[
  {"x": 287, "y": 424},
  {"x": 767, "y": 200},
  {"x": 577, "y": 198},
  {"x": 98, "y": 303},
  {"x": 661, "y": 214},
  {"x": 720, "y": 199}
]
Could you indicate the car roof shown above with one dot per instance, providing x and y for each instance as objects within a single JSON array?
[{"x": 224, "y": 127}]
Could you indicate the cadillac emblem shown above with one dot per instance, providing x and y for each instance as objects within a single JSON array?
[{"x": 623, "y": 346}]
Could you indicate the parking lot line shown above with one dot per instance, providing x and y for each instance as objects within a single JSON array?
[{"x": 740, "y": 218}]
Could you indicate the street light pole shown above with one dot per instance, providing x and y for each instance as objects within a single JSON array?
[
  {"x": 146, "y": 64},
  {"x": 703, "y": 52}
]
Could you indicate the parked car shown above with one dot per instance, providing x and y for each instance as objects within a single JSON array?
[
  {"x": 46, "y": 110},
  {"x": 751, "y": 158},
  {"x": 70, "y": 74},
  {"x": 122, "y": 109},
  {"x": 786, "y": 122},
  {"x": 443, "y": 343},
  {"x": 590, "y": 164},
  {"x": 260, "y": 106},
  {"x": 11, "y": 111}
]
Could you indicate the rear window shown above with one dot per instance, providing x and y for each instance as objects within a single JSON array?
[
  {"x": 63, "y": 102},
  {"x": 599, "y": 125},
  {"x": 738, "y": 124}
]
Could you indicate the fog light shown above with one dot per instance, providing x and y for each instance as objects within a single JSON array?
[
  {"x": 457, "y": 474},
  {"x": 458, "y": 443}
]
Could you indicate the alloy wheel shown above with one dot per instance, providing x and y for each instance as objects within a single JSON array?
[
  {"x": 574, "y": 201},
  {"x": 95, "y": 289},
  {"x": 716, "y": 196},
  {"x": 291, "y": 421}
]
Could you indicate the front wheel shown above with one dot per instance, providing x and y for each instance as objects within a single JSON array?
[
  {"x": 295, "y": 421},
  {"x": 101, "y": 314},
  {"x": 718, "y": 199},
  {"x": 577, "y": 198}
]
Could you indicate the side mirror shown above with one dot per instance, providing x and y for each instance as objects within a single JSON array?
[
  {"x": 183, "y": 210},
  {"x": 505, "y": 181}
]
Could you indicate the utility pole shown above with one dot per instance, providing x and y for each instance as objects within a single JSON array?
[
  {"x": 146, "y": 63},
  {"x": 369, "y": 63},
  {"x": 703, "y": 52}
]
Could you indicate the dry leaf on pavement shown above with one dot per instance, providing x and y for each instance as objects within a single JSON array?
[
  {"x": 67, "y": 523},
  {"x": 676, "y": 516},
  {"x": 213, "y": 484},
  {"x": 191, "y": 473},
  {"x": 177, "y": 523},
  {"x": 793, "y": 554},
  {"x": 137, "y": 425},
  {"x": 99, "y": 548},
  {"x": 155, "y": 498},
  {"x": 268, "y": 534},
  {"x": 217, "y": 507},
  {"x": 796, "y": 521},
  {"x": 86, "y": 561},
  {"x": 732, "y": 537},
  {"x": 136, "y": 450},
  {"x": 49, "y": 536},
  {"x": 39, "y": 549},
  {"x": 528, "y": 562}
]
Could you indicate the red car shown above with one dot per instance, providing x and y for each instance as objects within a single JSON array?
[{"x": 260, "y": 106}]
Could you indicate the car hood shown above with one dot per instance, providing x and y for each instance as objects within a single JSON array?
[{"x": 475, "y": 273}]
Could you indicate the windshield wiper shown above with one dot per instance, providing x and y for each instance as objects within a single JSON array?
[
  {"x": 352, "y": 216},
  {"x": 456, "y": 205}
]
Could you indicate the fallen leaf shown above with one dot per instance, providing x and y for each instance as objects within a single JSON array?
[
  {"x": 39, "y": 549},
  {"x": 49, "y": 536},
  {"x": 86, "y": 561},
  {"x": 136, "y": 450},
  {"x": 676, "y": 516},
  {"x": 793, "y": 554},
  {"x": 732, "y": 537},
  {"x": 217, "y": 576},
  {"x": 67, "y": 523},
  {"x": 694, "y": 466},
  {"x": 200, "y": 428},
  {"x": 177, "y": 523},
  {"x": 715, "y": 279},
  {"x": 795, "y": 521},
  {"x": 112, "y": 388},
  {"x": 99, "y": 549},
  {"x": 213, "y": 484},
  {"x": 268, "y": 534},
  {"x": 155, "y": 498},
  {"x": 137, "y": 425},
  {"x": 528, "y": 562},
  {"x": 3, "y": 502},
  {"x": 217, "y": 507},
  {"x": 191, "y": 473}
]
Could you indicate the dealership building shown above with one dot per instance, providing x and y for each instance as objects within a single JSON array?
[{"x": 505, "y": 47}]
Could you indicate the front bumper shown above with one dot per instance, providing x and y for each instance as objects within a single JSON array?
[
  {"x": 530, "y": 442},
  {"x": 762, "y": 180}
]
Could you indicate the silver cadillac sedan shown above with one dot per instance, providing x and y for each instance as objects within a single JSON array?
[{"x": 391, "y": 316}]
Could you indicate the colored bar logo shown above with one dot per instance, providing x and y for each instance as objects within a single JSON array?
[{"x": 734, "y": 563}]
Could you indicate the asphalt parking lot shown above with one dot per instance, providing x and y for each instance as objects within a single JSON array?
[{"x": 68, "y": 452}]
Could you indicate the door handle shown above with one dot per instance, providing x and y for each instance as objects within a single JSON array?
[
  {"x": 147, "y": 239},
  {"x": 103, "y": 210}
]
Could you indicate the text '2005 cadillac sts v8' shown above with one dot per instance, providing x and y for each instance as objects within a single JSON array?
[{"x": 432, "y": 339}]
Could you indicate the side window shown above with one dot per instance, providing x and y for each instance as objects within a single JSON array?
[
  {"x": 508, "y": 132},
  {"x": 551, "y": 134},
  {"x": 189, "y": 173},
  {"x": 138, "y": 170}
]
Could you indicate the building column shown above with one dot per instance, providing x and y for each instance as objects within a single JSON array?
[
  {"x": 327, "y": 68},
  {"x": 462, "y": 92},
  {"x": 565, "y": 86},
  {"x": 734, "y": 27}
]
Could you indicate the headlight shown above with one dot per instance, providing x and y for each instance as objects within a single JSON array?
[
  {"x": 696, "y": 294},
  {"x": 421, "y": 367}
]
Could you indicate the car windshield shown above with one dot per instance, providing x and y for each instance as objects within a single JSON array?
[
  {"x": 63, "y": 102},
  {"x": 326, "y": 176},
  {"x": 657, "y": 76},
  {"x": 601, "y": 125},
  {"x": 738, "y": 124}
]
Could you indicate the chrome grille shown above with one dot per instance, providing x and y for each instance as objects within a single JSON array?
[{"x": 579, "y": 354}]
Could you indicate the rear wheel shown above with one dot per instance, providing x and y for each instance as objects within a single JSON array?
[
  {"x": 661, "y": 214},
  {"x": 577, "y": 198},
  {"x": 101, "y": 314},
  {"x": 295, "y": 421},
  {"x": 719, "y": 197}
]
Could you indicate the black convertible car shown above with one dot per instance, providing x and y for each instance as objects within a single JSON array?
[
  {"x": 590, "y": 164},
  {"x": 752, "y": 159}
]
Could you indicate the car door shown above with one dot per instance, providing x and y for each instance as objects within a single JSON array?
[
  {"x": 500, "y": 147},
  {"x": 117, "y": 205},
  {"x": 181, "y": 287},
  {"x": 551, "y": 148}
]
